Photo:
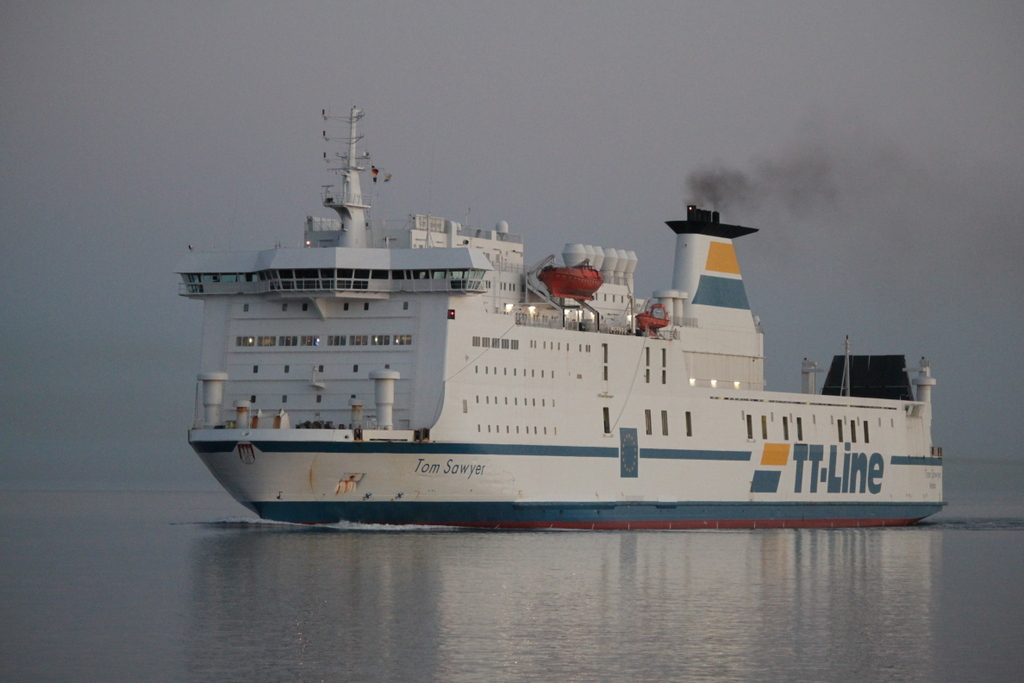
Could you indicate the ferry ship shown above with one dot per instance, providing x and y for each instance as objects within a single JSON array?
[{"x": 422, "y": 372}]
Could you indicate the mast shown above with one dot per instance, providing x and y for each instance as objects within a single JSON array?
[
  {"x": 350, "y": 203},
  {"x": 846, "y": 369}
]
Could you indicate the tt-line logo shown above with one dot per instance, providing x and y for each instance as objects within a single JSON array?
[{"x": 858, "y": 472}]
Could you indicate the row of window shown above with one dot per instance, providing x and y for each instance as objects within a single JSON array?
[
  {"x": 303, "y": 275},
  {"x": 509, "y": 428},
  {"x": 284, "y": 399},
  {"x": 865, "y": 429},
  {"x": 305, "y": 307},
  {"x": 515, "y": 371},
  {"x": 499, "y": 343},
  {"x": 332, "y": 340},
  {"x": 319, "y": 368},
  {"x": 515, "y": 402},
  {"x": 649, "y": 422},
  {"x": 557, "y": 346},
  {"x": 496, "y": 343}
]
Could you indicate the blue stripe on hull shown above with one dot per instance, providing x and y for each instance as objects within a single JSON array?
[
  {"x": 408, "y": 448},
  {"x": 621, "y": 515},
  {"x": 915, "y": 460},
  {"x": 442, "y": 448},
  {"x": 688, "y": 454}
]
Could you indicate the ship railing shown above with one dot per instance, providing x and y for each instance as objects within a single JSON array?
[
  {"x": 531, "y": 320},
  {"x": 491, "y": 234},
  {"x": 509, "y": 267},
  {"x": 331, "y": 285}
]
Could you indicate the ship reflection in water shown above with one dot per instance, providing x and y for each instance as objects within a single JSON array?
[{"x": 274, "y": 603}]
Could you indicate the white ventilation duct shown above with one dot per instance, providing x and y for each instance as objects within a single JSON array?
[{"x": 573, "y": 254}]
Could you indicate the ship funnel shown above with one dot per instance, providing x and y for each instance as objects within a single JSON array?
[
  {"x": 357, "y": 413},
  {"x": 599, "y": 256},
  {"x": 213, "y": 397},
  {"x": 384, "y": 395},
  {"x": 242, "y": 413},
  {"x": 924, "y": 381},
  {"x": 705, "y": 267}
]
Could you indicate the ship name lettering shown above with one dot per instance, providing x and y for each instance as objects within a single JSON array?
[
  {"x": 424, "y": 467},
  {"x": 452, "y": 467},
  {"x": 858, "y": 473}
]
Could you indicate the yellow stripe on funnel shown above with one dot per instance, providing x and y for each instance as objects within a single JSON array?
[{"x": 722, "y": 258}]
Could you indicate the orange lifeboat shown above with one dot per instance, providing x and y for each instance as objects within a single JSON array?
[
  {"x": 576, "y": 282},
  {"x": 654, "y": 318}
]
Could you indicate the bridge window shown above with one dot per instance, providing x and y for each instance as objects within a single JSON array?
[{"x": 647, "y": 421}]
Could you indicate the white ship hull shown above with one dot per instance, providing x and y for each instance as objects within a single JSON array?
[{"x": 630, "y": 480}]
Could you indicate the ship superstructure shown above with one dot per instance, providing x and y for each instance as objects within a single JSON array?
[{"x": 422, "y": 372}]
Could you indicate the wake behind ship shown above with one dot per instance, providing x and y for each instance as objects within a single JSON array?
[{"x": 420, "y": 372}]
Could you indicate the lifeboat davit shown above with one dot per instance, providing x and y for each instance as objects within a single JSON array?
[
  {"x": 654, "y": 318},
  {"x": 576, "y": 282}
]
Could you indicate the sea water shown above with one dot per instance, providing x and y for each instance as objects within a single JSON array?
[{"x": 145, "y": 586}]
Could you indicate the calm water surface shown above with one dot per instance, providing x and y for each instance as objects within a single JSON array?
[{"x": 185, "y": 586}]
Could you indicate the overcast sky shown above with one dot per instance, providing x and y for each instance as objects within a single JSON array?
[{"x": 881, "y": 148}]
